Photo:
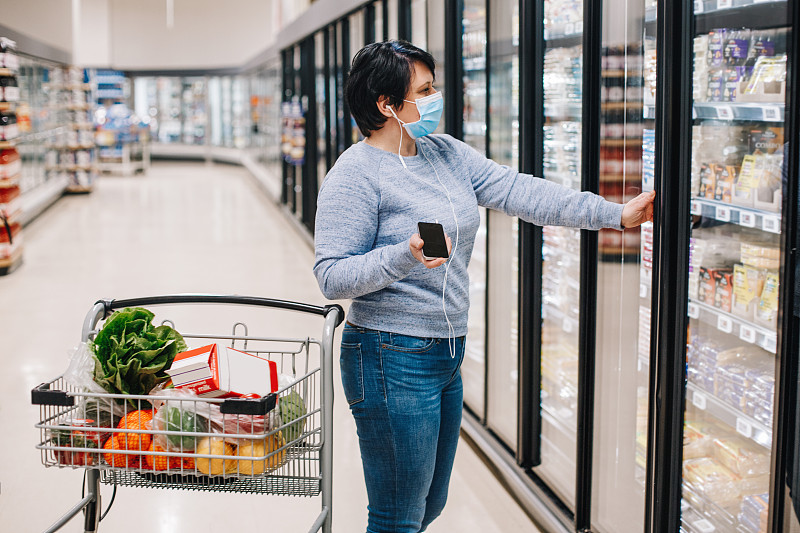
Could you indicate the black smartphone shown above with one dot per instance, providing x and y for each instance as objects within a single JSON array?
[{"x": 432, "y": 235}]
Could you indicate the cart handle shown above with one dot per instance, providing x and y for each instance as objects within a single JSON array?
[{"x": 111, "y": 304}]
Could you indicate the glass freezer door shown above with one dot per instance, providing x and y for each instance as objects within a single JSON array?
[
  {"x": 562, "y": 81},
  {"x": 473, "y": 39},
  {"x": 739, "y": 94}
]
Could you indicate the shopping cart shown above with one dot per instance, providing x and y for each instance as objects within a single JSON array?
[{"x": 253, "y": 446}]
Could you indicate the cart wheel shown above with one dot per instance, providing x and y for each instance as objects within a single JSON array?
[{"x": 92, "y": 510}]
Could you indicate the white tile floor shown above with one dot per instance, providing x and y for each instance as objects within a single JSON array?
[{"x": 181, "y": 228}]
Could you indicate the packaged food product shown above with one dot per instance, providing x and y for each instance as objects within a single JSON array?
[
  {"x": 707, "y": 289},
  {"x": 707, "y": 181},
  {"x": 767, "y": 309},
  {"x": 723, "y": 289},
  {"x": 755, "y": 512},
  {"x": 724, "y": 177},
  {"x": 8, "y": 126},
  {"x": 748, "y": 282},
  {"x": 714, "y": 481},
  {"x": 746, "y": 182},
  {"x": 698, "y": 438},
  {"x": 741, "y": 456}
]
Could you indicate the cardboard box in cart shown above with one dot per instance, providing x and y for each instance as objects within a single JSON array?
[{"x": 216, "y": 371}]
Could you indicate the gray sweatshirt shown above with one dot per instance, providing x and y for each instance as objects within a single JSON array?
[{"x": 368, "y": 209}]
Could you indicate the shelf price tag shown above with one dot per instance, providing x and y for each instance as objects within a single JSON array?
[
  {"x": 693, "y": 310},
  {"x": 771, "y": 343},
  {"x": 725, "y": 112},
  {"x": 723, "y": 214},
  {"x": 744, "y": 427},
  {"x": 771, "y": 224},
  {"x": 747, "y": 334},
  {"x": 724, "y": 324},
  {"x": 771, "y": 113},
  {"x": 699, "y": 400},
  {"x": 724, "y": 4},
  {"x": 642, "y": 290},
  {"x": 747, "y": 219},
  {"x": 698, "y": 6},
  {"x": 697, "y": 208},
  {"x": 569, "y": 29},
  {"x": 579, "y": 27}
]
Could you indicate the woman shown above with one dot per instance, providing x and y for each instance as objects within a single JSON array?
[{"x": 403, "y": 342}]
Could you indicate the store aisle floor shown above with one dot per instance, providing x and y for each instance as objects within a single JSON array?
[{"x": 182, "y": 228}]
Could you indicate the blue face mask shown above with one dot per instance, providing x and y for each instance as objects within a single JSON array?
[{"x": 430, "y": 113}]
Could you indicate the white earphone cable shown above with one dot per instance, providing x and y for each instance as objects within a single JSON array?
[{"x": 451, "y": 331}]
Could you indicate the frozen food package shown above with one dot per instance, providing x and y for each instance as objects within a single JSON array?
[
  {"x": 746, "y": 182},
  {"x": 698, "y": 438},
  {"x": 767, "y": 308},
  {"x": 723, "y": 289},
  {"x": 742, "y": 456},
  {"x": 715, "y": 482},
  {"x": 748, "y": 282},
  {"x": 755, "y": 512},
  {"x": 768, "y": 190}
]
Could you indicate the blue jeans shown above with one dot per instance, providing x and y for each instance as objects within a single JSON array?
[{"x": 405, "y": 394}]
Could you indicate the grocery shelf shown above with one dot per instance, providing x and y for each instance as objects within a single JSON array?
[
  {"x": 629, "y": 141},
  {"x": 759, "y": 112},
  {"x": 753, "y": 14},
  {"x": 756, "y": 14},
  {"x": 623, "y": 106},
  {"x": 745, "y": 425},
  {"x": 743, "y": 216},
  {"x": 733, "y": 325}
]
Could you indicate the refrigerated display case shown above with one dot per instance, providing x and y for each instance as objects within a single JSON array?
[
  {"x": 562, "y": 81},
  {"x": 624, "y": 287},
  {"x": 502, "y": 381},
  {"x": 473, "y": 369},
  {"x": 737, "y": 144}
]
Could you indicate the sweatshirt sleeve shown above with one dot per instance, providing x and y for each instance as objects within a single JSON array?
[
  {"x": 346, "y": 225},
  {"x": 536, "y": 200}
]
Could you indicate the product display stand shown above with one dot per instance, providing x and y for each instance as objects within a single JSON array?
[
  {"x": 10, "y": 162},
  {"x": 74, "y": 154}
]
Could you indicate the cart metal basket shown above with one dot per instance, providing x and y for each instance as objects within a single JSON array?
[{"x": 277, "y": 444}]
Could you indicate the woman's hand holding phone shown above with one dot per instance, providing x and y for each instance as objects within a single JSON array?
[{"x": 415, "y": 245}]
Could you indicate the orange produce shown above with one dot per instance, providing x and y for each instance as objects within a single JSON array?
[
  {"x": 119, "y": 460},
  {"x": 165, "y": 462},
  {"x": 141, "y": 419}
]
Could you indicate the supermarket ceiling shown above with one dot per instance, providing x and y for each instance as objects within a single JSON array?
[{"x": 153, "y": 34}]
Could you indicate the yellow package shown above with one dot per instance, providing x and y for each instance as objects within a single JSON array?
[
  {"x": 747, "y": 182},
  {"x": 748, "y": 283},
  {"x": 767, "y": 309},
  {"x": 741, "y": 456}
]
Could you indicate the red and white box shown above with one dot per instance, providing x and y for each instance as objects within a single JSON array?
[{"x": 216, "y": 371}]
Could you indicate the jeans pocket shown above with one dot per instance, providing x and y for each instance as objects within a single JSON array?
[
  {"x": 350, "y": 361},
  {"x": 409, "y": 344}
]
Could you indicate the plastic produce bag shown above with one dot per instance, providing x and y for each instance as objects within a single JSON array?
[{"x": 80, "y": 376}]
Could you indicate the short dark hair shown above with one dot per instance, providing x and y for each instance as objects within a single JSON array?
[{"x": 381, "y": 69}]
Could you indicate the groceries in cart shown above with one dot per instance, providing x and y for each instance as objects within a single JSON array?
[{"x": 145, "y": 402}]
